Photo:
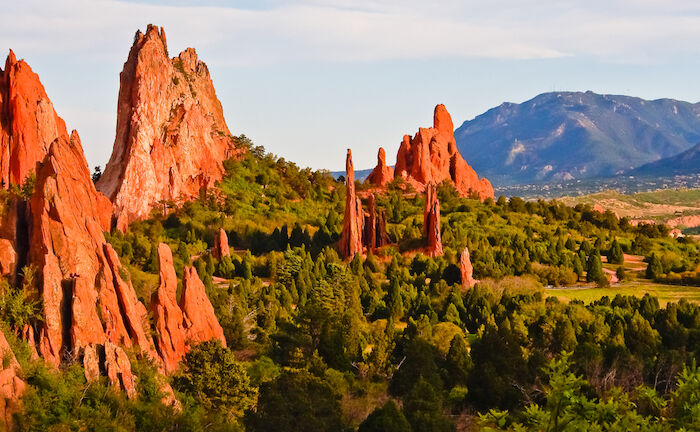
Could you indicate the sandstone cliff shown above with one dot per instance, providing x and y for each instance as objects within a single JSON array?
[{"x": 171, "y": 136}]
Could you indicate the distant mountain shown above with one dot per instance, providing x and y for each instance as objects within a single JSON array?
[
  {"x": 573, "y": 135},
  {"x": 684, "y": 163}
]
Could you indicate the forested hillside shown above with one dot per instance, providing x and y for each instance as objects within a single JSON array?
[{"x": 391, "y": 341}]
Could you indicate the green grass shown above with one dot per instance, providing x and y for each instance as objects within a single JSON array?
[{"x": 665, "y": 293}]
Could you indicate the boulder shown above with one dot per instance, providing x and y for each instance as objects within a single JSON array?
[{"x": 171, "y": 137}]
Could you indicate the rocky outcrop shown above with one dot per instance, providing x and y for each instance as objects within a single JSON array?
[
  {"x": 11, "y": 385},
  {"x": 466, "y": 270},
  {"x": 353, "y": 222},
  {"x": 8, "y": 257},
  {"x": 200, "y": 321},
  {"x": 167, "y": 316},
  {"x": 58, "y": 233},
  {"x": 178, "y": 327},
  {"x": 221, "y": 248},
  {"x": 382, "y": 174},
  {"x": 28, "y": 122},
  {"x": 361, "y": 231},
  {"x": 431, "y": 156},
  {"x": 171, "y": 137},
  {"x": 375, "y": 235},
  {"x": 431, "y": 223},
  {"x": 690, "y": 221}
]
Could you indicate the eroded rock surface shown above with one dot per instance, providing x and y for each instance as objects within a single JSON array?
[
  {"x": 431, "y": 156},
  {"x": 171, "y": 136},
  {"x": 431, "y": 223}
]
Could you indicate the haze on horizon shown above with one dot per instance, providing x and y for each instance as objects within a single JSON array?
[{"x": 309, "y": 78}]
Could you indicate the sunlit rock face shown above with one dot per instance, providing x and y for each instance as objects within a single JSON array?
[
  {"x": 431, "y": 156},
  {"x": 171, "y": 137},
  {"x": 28, "y": 122},
  {"x": 431, "y": 223}
]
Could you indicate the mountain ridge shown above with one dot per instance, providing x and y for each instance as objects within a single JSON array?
[{"x": 570, "y": 135}]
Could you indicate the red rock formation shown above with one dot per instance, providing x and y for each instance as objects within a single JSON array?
[
  {"x": 119, "y": 369},
  {"x": 11, "y": 385},
  {"x": 200, "y": 322},
  {"x": 375, "y": 235},
  {"x": 86, "y": 302},
  {"x": 466, "y": 270},
  {"x": 220, "y": 245},
  {"x": 171, "y": 135},
  {"x": 180, "y": 326},
  {"x": 431, "y": 223},
  {"x": 432, "y": 156},
  {"x": 167, "y": 316},
  {"x": 353, "y": 222},
  {"x": 8, "y": 257},
  {"x": 381, "y": 175},
  {"x": 28, "y": 122}
]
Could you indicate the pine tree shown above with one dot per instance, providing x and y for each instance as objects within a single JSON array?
[
  {"x": 654, "y": 269},
  {"x": 594, "y": 268},
  {"x": 615, "y": 254}
]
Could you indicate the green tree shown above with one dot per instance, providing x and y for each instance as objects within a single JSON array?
[
  {"x": 387, "y": 418},
  {"x": 296, "y": 402},
  {"x": 615, "y": 254},
  {"x": 594, "y": 268},
  {"x": 211, "y": 375},
  {"x": 654, "y": 268}
]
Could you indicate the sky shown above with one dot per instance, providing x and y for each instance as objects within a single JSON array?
[{"x": 308, "y": 79}]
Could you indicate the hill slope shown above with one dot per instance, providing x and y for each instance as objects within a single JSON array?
[
  {"x": 566, "y": 135},
  {"x": 687, "y": 162}
]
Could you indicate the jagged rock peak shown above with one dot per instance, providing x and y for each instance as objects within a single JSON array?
[
  {"x": 28, "y": 122},
  {"x": 442, "y": 120},
  {"x": 171, "y": 136},
  {"x": 432, "y": 156}
]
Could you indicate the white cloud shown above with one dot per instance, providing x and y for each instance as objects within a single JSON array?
[{"x": 366, "y": 30}]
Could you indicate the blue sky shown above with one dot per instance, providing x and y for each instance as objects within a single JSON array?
[{"x": 309, "y": 78}]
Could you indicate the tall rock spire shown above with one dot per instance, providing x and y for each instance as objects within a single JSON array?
[
  {"x": 431, "y": 222},
  {"x": 171, "y": 137},
  {"x": 466, "y": 269},
  {"x": 353, "y": 222},
  {"x": 381, "y": 175}
]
